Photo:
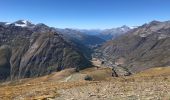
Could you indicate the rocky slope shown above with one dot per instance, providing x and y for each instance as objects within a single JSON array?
[
  {"x": 152, "y": 84},
  {"x": 141, "y": 48},
  {"x": 37, "y": 50}
]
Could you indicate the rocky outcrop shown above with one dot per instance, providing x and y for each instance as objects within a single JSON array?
[{"x": 118, "y": 71}]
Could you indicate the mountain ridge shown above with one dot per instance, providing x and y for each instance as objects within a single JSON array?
[
  {"x": 39, "y": 50},
  {"x": 145, "y": 47}
]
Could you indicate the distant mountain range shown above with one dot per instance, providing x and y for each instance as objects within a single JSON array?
[
  {"x": 84, "y": 38},
  {"x": 108, "y": 34}
]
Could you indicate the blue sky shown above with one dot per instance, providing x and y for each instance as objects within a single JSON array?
[{"x": 85, "y": 14}]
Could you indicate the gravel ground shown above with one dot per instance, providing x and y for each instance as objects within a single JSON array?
[{"x": 153, "y": 89}]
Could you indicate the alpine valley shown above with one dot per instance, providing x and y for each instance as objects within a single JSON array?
[{"x": 38, "y": 62}]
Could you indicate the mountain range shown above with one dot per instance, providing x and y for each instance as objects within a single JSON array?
[
  {"x": 33, "y": 50},
  {"x": 29, "y": 50},
  {"x": 108, "y": 34}
]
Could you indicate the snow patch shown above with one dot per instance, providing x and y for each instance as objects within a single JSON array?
[
  {"x": 133, "y": 27},
  {"x": 7, "y": 23},
  {"x": 21, "y": 25},
  {"x": 25, "y": 22}
]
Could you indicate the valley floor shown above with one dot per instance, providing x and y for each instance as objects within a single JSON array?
[{"x": 152, "y": 84}]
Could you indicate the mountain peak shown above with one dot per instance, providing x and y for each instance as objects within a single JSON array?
[
  {"x": 154, "y": 22},
  {"x": 124, "y": 26},
  {"x": 23, "y": 23}
]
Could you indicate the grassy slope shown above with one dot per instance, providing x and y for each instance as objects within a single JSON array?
[
  {"x": 155, "y": 81},
  {"x": 160, "y": 71}
]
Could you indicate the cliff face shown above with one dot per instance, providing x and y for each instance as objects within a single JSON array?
[{"x": 38, "y": 50}]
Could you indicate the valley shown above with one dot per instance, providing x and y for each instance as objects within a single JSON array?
[
  {"x": 84, "y": 50},
  {"x": 38, "y": 62}
]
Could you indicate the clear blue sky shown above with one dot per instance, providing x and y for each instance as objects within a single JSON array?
[{"x": 85, "y": 14}]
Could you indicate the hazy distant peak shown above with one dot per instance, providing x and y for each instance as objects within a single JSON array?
[
  {"x": 154, "y": 22},
  {"x": 41, "y": 25},
  {"x": 124, "y": 26}
]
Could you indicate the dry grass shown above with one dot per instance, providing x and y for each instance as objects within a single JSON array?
[
  {"x": 38, "y": 88},
  {"x": 159, "y": 71},
  {"x": 156, "y": 80},
  {"x": 99, "y": 74},
  {"x": 56, "y": 76}
]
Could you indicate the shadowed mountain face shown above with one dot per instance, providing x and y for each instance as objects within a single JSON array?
[
  {"x": 5, "y": 55},
  {"x": 144, "y": 47},
  {"x": 37, "y": 50}
]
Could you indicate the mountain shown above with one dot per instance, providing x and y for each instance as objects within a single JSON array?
[
  {"x": 84, "y": 38},
  {"x": 36, "y": 50},
  {"x": 141, "y": 48},
  {"x": 84, "y": 42},
  {"x": 23, "y": 23},
  {"x": 90, "y": 31},
  {"x": 109, "y": 34}
]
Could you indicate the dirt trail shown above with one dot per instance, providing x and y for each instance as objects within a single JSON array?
[
  {"x": 74, "y": 77},
  {"x": 68, "y": 78}
]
